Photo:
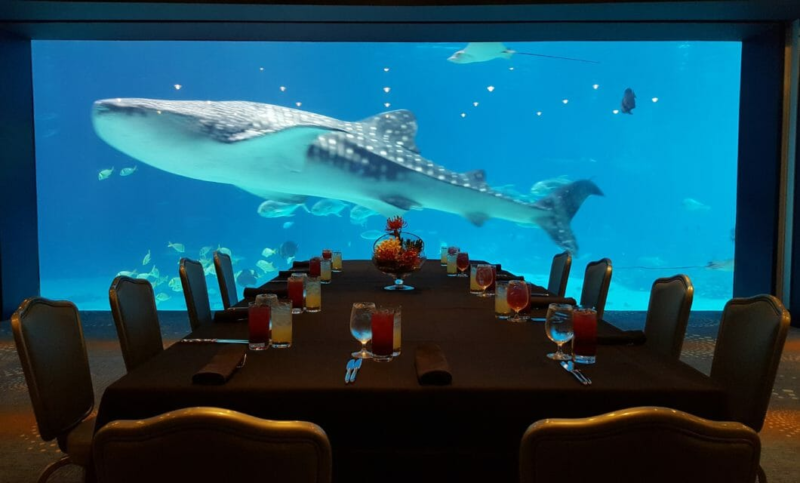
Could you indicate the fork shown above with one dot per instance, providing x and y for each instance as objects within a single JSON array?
[{"x": 585, "y": 378}]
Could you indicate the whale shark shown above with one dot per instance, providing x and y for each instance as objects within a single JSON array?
[{"x": 286, "y": 155}]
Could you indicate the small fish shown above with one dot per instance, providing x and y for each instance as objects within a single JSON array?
[
  {"x": 175, "y": 284},
  {"x": 544, "y": 188},
  {"x": 288, "y": 225},
  {"x": 721, "y": 265},
  {"x": 481, "y": 52},
  {"x": 328, "y": 207},
  {"x": 146, "y": 258},
  {"x": 162, "y": 297},
  {"x": 104, "y": 174},
  {"x": 691, "y": 204},
  {"x": 279, "y": 209},
  {"x": 154, "y": 272},
  {"x": 127, "y": 273},
  {"x": 268, "y": 252},
  {"x": 204, "y": 251},
  {"x": 209, "y": 270},
  {"x": 628, "y": 101},
  {"x": 288, "y": 249},
  {"x": 359, "y": 215},
  {"x": 162, "y": 280},
  {"x": 247, "y": 278},
  {"x": 177, "y": 246},
  {"x": 127, "y": 171},
  {"x": 265, "y": 266},
  {"x": 143, "y": 276},
  {"x": 223, "y": 250},
  {"x": 372, "y": 234}
]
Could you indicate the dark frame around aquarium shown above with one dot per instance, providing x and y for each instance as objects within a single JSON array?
[{"x": 761, "y": 26}]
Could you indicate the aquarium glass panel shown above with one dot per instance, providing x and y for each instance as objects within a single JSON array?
[{"x": 271, "y": 151}]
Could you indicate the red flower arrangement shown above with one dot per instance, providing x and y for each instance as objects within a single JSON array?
[{"x": 398, "y": 254}]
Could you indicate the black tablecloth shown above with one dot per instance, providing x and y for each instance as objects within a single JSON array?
[{"x": 386, "y": 421}]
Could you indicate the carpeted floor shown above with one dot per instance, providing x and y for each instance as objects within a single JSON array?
[{"x": 24, "y": 454}]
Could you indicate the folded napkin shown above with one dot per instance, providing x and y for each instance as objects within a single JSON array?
[
  {"x": 432, "y": 366},
  {"x": 221, "y": 366},
  {"x": 233, "y": 314},
  {"x": 297, "y": 264},
  {"x": 279, "y": 289},
  {"x": 627, "y": 337}
]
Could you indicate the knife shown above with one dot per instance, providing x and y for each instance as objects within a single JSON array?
[
  {"x": 350, "y": 365},
  {"x": 355, "y": 370},
  {"x": 568, "y": 367},
  {"x": 213, "y": 341}
]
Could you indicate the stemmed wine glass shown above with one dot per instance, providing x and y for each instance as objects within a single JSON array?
[
  {"x": 361, "y": 327},
  {"x": 484, "y": 277},
  {"x": 558, "y": 325},
  {"x": 517, "y": 296},
  {"x": 462, "y": 263}
]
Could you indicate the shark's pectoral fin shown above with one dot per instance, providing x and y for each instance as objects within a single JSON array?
[
  {"x": 477, "y": 219},
  {"x": 398, "y": 128},
  {"x": 558, "y": 208}
]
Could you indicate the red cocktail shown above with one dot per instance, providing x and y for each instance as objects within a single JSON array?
[
  {"x": 314, "y": 267},
  {"x": 295, "y": 286},
  {"x": 584, "y": 341},
  {"x": 327, "y": 254},
  {"x": 258, "y": 326},
  {"x": 518, "y": 297},
  {"x": 484, "y": 277},
  {"x": 462, "y": 263},
  {"x": 383, "y": 334}
]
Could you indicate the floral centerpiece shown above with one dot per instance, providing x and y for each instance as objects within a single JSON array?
[{"x": 398, "y": 254}]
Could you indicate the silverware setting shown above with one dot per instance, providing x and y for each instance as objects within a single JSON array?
[
  {"x": 569, "y": 366},
  {"x": 353, "y": 365},
  {"x": 355, "y": 370}
]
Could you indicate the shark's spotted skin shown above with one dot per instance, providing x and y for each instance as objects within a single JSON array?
[{"x": 286, "y": 154}]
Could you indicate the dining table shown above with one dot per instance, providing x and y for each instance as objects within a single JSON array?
[{"x": 386, "y": 426}]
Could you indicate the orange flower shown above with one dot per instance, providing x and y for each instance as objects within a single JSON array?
[{"x": 395, "y": 224}]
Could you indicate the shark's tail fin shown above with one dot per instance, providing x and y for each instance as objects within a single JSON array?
[{"x": 561, "y": 205}]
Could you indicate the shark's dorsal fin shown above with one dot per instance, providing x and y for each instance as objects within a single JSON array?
[{"x": 398, "y": 128}]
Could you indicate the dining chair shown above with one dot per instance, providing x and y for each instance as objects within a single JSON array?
[
  {"x": 193, "y": 280},
  {"x": 652, "y": 444},
  {"x": 133, "y": 306},
  {"x": 752, "y": 332},
  {"x": 559, "y": 273},
  {"x": 52, "y": 352},
  {"x": 668, "y": 315},
  {"x": 204, "y": 444},
  {"x": 227, "y": 282},
  {"x": 596, "y": 281}
]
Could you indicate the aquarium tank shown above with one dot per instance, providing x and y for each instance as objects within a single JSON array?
[{"x": 147, "y": 152}]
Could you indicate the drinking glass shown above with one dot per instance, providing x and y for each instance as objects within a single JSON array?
[
  {"x": 327, "y": 254},
  {"x": 336, "y": 262},
  {"x": 452, "y": 256},
  {"x": 462, "y": 263},
  {"x": 313, "y": 295},
  {"x": 517, "y": 296},
  {"x": 266, "y": 299},
  {"x": 558, "y": 326},
  {"x": 313, "y": 267},
  {"x": 325, "y": 271},
  {"x": 584, "y": 342},
  {"x": 282, "y": 324},
  {"x": 484, "y": 276},
  {"x": 501, "y": 308},
  {"x": 397, "y": 334},
  {"x": 383, "y": 334},
  {"x": 474, "y": 288},
  {"x": 444, "y": 256},
  {"x": 295, "y": 286},
  {"x": 258, "y": 326},
  {"x": 361, "y": 327}
]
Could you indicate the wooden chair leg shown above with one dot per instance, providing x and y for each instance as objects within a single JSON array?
[
  {"x": 762, "y": 477},
  {"x": 52, "y": 468}
]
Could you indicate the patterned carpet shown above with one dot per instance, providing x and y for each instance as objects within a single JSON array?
[{"x": 25, "y": 454}]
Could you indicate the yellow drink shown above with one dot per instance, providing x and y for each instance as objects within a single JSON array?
[
  {"x": 336, "y": 261},
  {"x": 313, "y": 301},
  {"x": 282, "y": 334},
  {"x": 396, "y": 333}
]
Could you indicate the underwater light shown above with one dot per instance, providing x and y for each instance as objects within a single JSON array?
[
  {"x": 655, "y": 99},
  {"x": 178, "y": 87},
  {"x": 595, "y": 86},
  {"x": 386, "y": 104},
  {"x": 261, "y": 69},
  {"x": 565, "y": 101},
  {"x": 615, "y": 111},
  {"x": 387, "y": 89},
  {"x": 386, "y": 69},
  {"x": 298, "y": 104},
  {"x": 538, "y": 113},
  {"x": 510, "y": 68},
  {"x": 463, "y": 114},
  {"x": 283, "y": 89},
  {"x": 490, "y": 88},
  {"x": 475, "y": 103}
]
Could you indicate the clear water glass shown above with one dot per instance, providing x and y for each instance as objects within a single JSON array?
[
  {"x": 558, "y": 326},
  {"x": 313, "y": 294},
  {"x": 361, "y": 327},
  {"x": 501, "y": 309},
  {"x": 282, "y": 324}
]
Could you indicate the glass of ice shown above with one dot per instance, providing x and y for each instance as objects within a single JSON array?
[
  {"x": 282, "y": 324},
  {"x": 361, "y": 327},
  {"x": 558, "y": 326}
]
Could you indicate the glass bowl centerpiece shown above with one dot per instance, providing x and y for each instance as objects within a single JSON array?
[{"x": 398, "y": 254}]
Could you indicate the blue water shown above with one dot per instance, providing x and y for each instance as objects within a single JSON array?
[{"x": 668, "y": 171}]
